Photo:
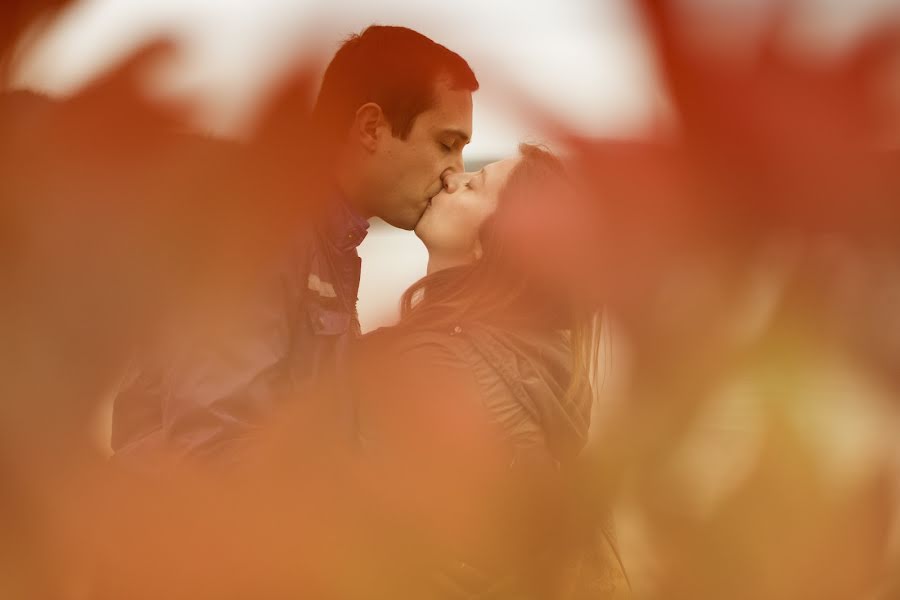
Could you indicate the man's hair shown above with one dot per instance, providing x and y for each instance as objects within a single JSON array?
[{"x": 394, "y": 67}]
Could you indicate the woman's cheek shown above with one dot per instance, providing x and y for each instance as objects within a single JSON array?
[{"x": 466, "y": 231}]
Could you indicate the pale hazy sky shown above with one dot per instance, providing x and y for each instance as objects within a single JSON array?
[{"x": 586, "y": 60}]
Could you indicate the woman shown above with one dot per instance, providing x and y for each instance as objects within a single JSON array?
[{"x": 473, "y": 410}]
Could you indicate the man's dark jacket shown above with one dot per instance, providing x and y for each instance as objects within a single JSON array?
[{"x": 208, "y": 395}]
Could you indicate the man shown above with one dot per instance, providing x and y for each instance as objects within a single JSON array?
[{"x": 393, "y": 113}]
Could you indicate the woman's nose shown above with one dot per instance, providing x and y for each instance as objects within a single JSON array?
[{"x": 453, "y": 181}]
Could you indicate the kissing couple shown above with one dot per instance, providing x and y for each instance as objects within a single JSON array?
[{"x": 468, "y": 417}]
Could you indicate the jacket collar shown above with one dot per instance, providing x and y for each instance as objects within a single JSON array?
[{"x": 343, "y": 226}]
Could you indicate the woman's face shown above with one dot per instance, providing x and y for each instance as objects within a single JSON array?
[{"x": 451, "y": 222}]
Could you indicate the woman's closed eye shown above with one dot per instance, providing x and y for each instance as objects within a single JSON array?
[{"x": 476, "y": 180}]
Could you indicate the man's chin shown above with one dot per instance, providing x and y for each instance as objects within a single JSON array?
[
  {"x": 408, "y": 221},
  {"x": 419, "y": 218},
  {"x": 405, "y": 224}
]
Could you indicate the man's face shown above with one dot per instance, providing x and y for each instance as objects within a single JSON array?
[{"x": 409, "y": 172}]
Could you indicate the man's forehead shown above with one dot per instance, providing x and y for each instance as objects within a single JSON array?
[{"x": 452, "y": 110}]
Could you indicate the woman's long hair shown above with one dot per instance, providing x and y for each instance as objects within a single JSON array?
[{"x": 498, "y": 289}]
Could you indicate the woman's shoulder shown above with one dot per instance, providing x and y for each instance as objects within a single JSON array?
[
  {"x": 411, "y": 381},
  {"x": 439, "y": 347}
]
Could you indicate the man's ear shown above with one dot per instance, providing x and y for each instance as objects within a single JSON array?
[{"x": 367, "y": 124}]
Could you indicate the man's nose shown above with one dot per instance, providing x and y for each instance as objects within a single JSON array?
[
  {"x": 456, "y": 167},
  {"x": 452, "y": 180}
]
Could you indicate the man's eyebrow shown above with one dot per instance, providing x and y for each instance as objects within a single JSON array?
[{"x": 458, "y": 133}]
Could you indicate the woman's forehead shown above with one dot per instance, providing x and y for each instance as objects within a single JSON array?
[{"x": 497, "y": 172}]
